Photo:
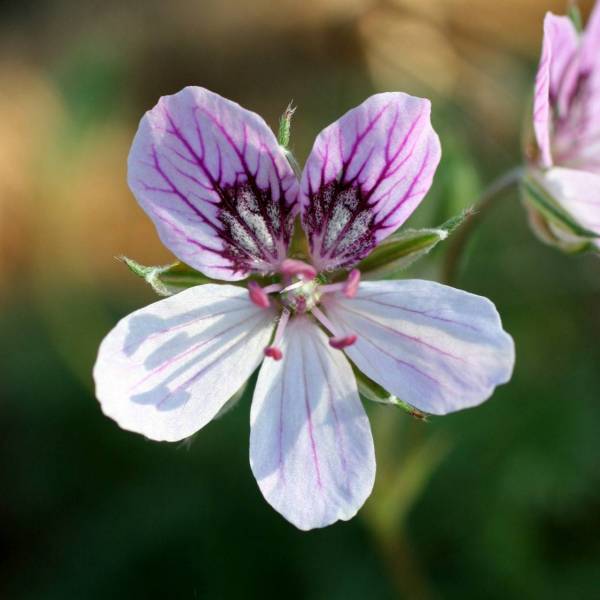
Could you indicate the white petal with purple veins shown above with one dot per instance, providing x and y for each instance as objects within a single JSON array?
[
  {"x": 435, "y": 347},
  {"x": 212, "y": 177},
  {"x": 166, "y": 370},
  {"x": 584, "y": 123},
  {"x": 366, "y": 174},
  {"x": 556, "y": 76},
  {"x": 311, "y": 448},
  {"x": 590, "y": 46}
]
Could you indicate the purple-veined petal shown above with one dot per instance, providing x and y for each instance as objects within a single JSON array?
[
  {"x": 311, "y": 448},
  {"x": 212, "y": 177},
  {"x": 584, "y": 123},
  {"x": 167, "y": 369},
  {"x": 564, "y": 40},
  {"x": 578, "y": 193},
  {"x": 555, "y": 78},
  {"x": 438, "y": 348},
  {"x": 365, "y": 175},
  {"x": 590, "y": 44}
]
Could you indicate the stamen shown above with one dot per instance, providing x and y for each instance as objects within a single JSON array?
[
  {"x": 271, "y": 289},
  {"x": 348, "y": 287},
  {"x": 352, "y": 283},
  {"x": 258, "y": 295},
  {"x": 273, "y": 351},
  {"x": 332, "y": 287},
  {"x": 342, "y": 342},
  {"x": 337, "y": 341},
  {"x": 291, "y": 267}
]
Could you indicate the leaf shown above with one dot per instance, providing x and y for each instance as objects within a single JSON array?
[
  {"x": 168, "y": 279},
  {"x": 374, "y": 392},
  {"x": 402, "y": 249}
]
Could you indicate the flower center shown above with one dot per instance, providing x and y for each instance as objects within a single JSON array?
[
  {"x": 301, "y": 293},
  {"x": 301, "y": 296}
]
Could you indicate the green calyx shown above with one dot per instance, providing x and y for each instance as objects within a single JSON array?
[
  {"x": 402, "y": 249},
  {"x": 370, "y": 390},
  {"x": 168, "y": 279},
  {"x": 574, "y": 14},
  {"x": 551, "y": 222}
]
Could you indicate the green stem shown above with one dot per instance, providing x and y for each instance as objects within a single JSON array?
[
  {"x": 459, "y": 240},
  {"x": 404, "y": 571}
]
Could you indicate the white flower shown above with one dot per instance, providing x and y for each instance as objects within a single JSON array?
[{"x": 224, "y": 199}]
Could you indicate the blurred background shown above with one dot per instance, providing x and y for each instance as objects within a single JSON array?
[{"x": 502, "y": 501}]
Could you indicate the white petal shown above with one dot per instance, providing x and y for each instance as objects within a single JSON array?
[
  {"x": 311, "y": 448},
  {"x": 435, "y": 347},
  {"x": 167, "y": 369}
]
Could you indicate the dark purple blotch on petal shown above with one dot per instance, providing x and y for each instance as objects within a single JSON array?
[
  {"x": 340, "y": 221},
  {"x": 213, "y": 179}
]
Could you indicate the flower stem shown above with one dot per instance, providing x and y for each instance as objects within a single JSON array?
[
  {"x": 458, "y": 242},
  {"x": 404, "y": 571}
]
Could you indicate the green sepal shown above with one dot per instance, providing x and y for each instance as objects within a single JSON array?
[
  {"x": 372, "y": 391},
  {"x": 168, "y": 279},
  {"x": 299, "y": 243},
  {"x": 283, "y": 138},
  {"x": 574, "y": 14},
  {"x": 403, "y": 248},
  {"x": 551, "y": 222},
  {"x": 285, "y": 126}
]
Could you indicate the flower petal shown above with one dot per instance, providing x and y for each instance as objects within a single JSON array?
[
  {"x": 556, "y": 77},
  {"x": 366, "y": 174},
  {"x": 435, "y": 347},
  {"x": 584, "y": 124},
  {"x": 212, "y": 177},
  {"x": 311, "y": 448},
  {"x": 166, "y": 370},
  {"x": 590, "y": 44},
  {"x": 577, "y": 192}
]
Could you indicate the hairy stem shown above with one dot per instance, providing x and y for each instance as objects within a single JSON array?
[{"x": 458, "y": 242}]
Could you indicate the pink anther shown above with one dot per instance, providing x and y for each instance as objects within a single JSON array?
[
  {"x": 339, "y": 343},
  {"x": 351, "y": 284},
  {"x": 291, "y": 267},
  {"x": 258, "y": 295},
  {"x": 273, "y": 352}
]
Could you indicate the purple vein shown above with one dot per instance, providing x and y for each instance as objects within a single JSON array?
[
  {"x": 187, "y": 324},
  {"x": 404, "y": 335},
  {"x": 177, "y": 357},
  {"x": 423, "y": 313},
  {"x": 338, "y": 428},
  {"x": 364, "y": 338},
  {"x": 281, "y": 459},
  {"x": 307, "y": 407},
  {"x": 202, "y": 371},
  {"x": 409, "y": 192}
]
